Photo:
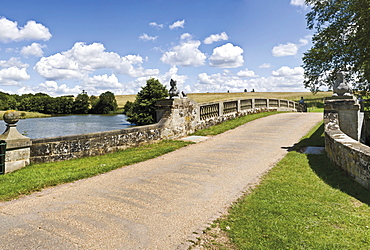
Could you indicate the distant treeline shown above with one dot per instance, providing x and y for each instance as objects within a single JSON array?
[{"x": 43, "y": 103}]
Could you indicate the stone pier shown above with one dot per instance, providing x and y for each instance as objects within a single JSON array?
[
  {"x": 348, "y": 109},
  {"x": 17, "y": 146}
]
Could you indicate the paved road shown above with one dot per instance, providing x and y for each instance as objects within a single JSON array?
[{"x": 156, "y": 204}]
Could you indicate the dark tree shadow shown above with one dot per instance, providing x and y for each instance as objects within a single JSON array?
[
  {"x": 326, "y": 171},
  {"x": 337, "y": 178},
  {"x": 317, "y": 139}
]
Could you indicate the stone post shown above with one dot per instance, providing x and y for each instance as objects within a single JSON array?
[
  {"x": 17, "y": 146},
  {"x": 178, "y": 116},
  {"x": 348, "y": 109}
]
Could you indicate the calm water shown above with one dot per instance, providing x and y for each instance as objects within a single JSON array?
[{"x": 70, "y": 125}]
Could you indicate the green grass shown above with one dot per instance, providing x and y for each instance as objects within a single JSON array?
[
  {"x": 304, "y": 202},
  {"x": 38, "y": 176},
  {"x": 231, "y": 124},
  {"x": 25, "y": 114}
]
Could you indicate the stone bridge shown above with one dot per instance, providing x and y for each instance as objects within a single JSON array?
[{"x": 177, "y": 118}]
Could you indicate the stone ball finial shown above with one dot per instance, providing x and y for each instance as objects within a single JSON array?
[{"x": 11, "y": 117}]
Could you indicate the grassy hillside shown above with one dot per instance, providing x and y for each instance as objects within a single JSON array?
[{"x": 311, "y": 99}]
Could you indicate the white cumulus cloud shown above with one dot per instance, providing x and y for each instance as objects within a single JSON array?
[
  {"x": 287, "y": 71},
  {"x": 265, "y": 66},
  {"x": 284, "y": 79},
  {"x": 146, "y": 37},
  {"x": 246, "y": 73},
  {"x": 13, "y": 75},
  {"x": 227, "y": 56},
  {"x": 103, "y": 82},
  {"x": 83, "y": 59},
  {"x": 298, "y": 3},
  {"x": 216, "y": 37},
  {"x": 186, "y": 36},
  {"x": 52, "y": 88},
  {"x": 9, "y": 31},
  {"x": 177, "y": 24},
  {"x": 13, "y": 61},
  {"x": 288, "y": 49},
  {"x": 35, "y": 49},
  {"x": 187, "y": 53},
  {"x": 156, "y": 25}
]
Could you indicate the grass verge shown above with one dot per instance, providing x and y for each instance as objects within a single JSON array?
[
  {"x": 231, "y": 124},
  {"x": 38, "y": 176},
  {"x": 304, "y": 202}
]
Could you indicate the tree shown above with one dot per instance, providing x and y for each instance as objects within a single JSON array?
[
  {"x": 341, "y": 43},
  {"x": 142, "y": 111},
  {"x": 104, "y": 104},
  {"x": 81, "y": 104},
  {"x": 7, "y": 101}
]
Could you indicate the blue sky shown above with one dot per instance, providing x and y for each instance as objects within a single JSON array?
[{"x": 62, "y": 47}]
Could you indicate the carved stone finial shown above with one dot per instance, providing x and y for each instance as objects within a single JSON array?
[
  {"x": 11, "y": 117},
  {"x": 174, "y": 92},
  {"x": 341, "y": 87}
]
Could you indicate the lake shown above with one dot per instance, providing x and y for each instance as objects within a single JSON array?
[{"x": 35, "y": 128}]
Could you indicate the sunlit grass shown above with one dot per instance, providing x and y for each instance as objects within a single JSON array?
[
  {"x": 304, "y": 202},
  {"x": 25, "y": 114},
  {"x": 38, "y": 176}
]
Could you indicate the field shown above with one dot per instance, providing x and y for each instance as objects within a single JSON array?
[
  {"x": 212, "y": 97},
  {"x": 27, "y": 115},
  {"x": 314, "y": 102}
]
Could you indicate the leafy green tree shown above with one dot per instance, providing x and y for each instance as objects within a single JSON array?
[
  {"x": 81, "y": 104},
  {"x": 35, "y": 103},
  {"x": 105, "y": 104},
  {"x": 142, "y": 110},
  {"x": 7, "y": 101},
  {"x": 59, "y": 105},
  {"x": 341, "y": 43}
]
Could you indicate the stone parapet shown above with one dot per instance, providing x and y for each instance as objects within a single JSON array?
[
  {"x": 78, "y": 146},
  {"x": 345, "y": 152}
]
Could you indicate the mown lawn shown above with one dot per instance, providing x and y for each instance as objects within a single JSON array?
[{"x": 38, "y": 176}]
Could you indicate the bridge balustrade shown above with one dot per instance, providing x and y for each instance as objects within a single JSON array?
[
  {"x": 284, "y": 103},
  {"x": 212, "y": 110},
  {"x": 246, "y": 104},
  {"x": 230, "y": 107},
  {"x": 273, "y": 103},
  {"x": 260, "y": 103},
  {"x": 209, "y": 111}
]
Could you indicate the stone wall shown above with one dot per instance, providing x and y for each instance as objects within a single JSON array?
[
  {"x": 345, "y": 152},
  {"x": 78, "y": 146},
  {"x": 176, "y": 118}
]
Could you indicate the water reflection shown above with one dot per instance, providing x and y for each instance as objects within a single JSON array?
[{"x": 70, "y": 125}]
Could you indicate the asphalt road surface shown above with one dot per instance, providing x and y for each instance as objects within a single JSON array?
[{"x": 156, "y": 204}]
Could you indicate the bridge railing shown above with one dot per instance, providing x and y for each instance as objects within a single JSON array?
[{"x": 216, "y": 109}]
